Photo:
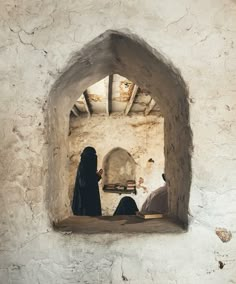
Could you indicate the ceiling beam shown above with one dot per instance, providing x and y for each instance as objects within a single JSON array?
[
  {"x": 109, "y": 95},
  {"x": 87, "y": 103},
  {"x": 75, "y": 110},
  {"x": 131, "y": 100},
  {"x": 150, "y": 106}
]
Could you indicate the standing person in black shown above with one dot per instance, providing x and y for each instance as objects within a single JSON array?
[{"x": 86, "y": 199}]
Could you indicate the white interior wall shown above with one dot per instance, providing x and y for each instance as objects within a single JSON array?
[
  {"x": 37, "y": 39},
  {"x": 141, "y": 136}
]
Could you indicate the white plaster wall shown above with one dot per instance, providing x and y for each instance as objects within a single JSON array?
[
  {"x": 141, "y": 136},
  {"x": 37, "y": 40}
]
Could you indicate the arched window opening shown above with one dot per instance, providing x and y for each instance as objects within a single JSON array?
[{"x": 125, "y": 54}]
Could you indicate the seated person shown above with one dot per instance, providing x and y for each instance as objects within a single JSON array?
[
  {"x": 126, "y": 206},
  {"x": 156, "y": 202}
]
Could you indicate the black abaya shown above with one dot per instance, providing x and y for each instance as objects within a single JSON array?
[
  {"x": 86, "y": 199},
  {"x": 126, "y": 206}
]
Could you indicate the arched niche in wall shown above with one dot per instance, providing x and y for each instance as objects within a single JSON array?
[
  {"x": 119, "y": 167},
  {"x": 121, "y": 52}
]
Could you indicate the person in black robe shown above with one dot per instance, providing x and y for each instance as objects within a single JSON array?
[
  {"x": 86, "y": 199},
  {"x": 157, "y": 201},
  {"x": 126, "y": 206}
]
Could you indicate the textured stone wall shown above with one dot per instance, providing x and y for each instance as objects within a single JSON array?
[
  {"x": 142, "y": 137},
  {"x": 38, "y": 39}
]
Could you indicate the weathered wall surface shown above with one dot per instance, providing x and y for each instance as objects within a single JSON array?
[
  {"x": 37, "y": 40},
  {"x": 141, "y": 136}
]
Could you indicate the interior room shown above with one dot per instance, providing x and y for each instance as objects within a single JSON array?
[{"x": 128, "y": 138}]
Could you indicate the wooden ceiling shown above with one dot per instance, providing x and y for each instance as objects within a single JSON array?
[{"x": 115, "y": 94}]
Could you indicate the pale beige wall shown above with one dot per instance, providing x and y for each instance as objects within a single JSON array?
[
  {"x": 37, "y": 40},
  {"x": 141, "y": 136}
]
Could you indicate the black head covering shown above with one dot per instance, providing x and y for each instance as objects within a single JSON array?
[
  {"x": 88, "y": 163},
  {"x": 126, "y": 206},
  {"x": 88, "y": 151}
]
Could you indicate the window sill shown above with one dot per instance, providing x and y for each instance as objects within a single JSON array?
[{"x": 118, "y": 224}]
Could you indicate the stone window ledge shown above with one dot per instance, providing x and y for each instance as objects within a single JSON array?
[{"x": 118, "y": 224}]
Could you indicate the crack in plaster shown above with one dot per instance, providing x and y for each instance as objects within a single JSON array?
[
  {"x": 34, "y": 238},
  {"x": 29, "y": 203},
  {"x": 31, "y": 33},
  {"x": 30, "y": 44},
  {"x": 111, "y": 268},
  {"x": 37, "y": 28},
  {"x": 178, "y": 20},
  {"x": 202, "y": 40},
  {"x": 124, "y": 278},
  {"x": 150, "y": 273}
]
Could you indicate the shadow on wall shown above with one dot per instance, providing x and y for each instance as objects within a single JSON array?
[{"x": 126, "y": 54}]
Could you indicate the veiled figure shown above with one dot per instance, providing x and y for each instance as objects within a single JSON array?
[
  {"x": 126, "y": 206},
  {"x": 86, "y": 199}
]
